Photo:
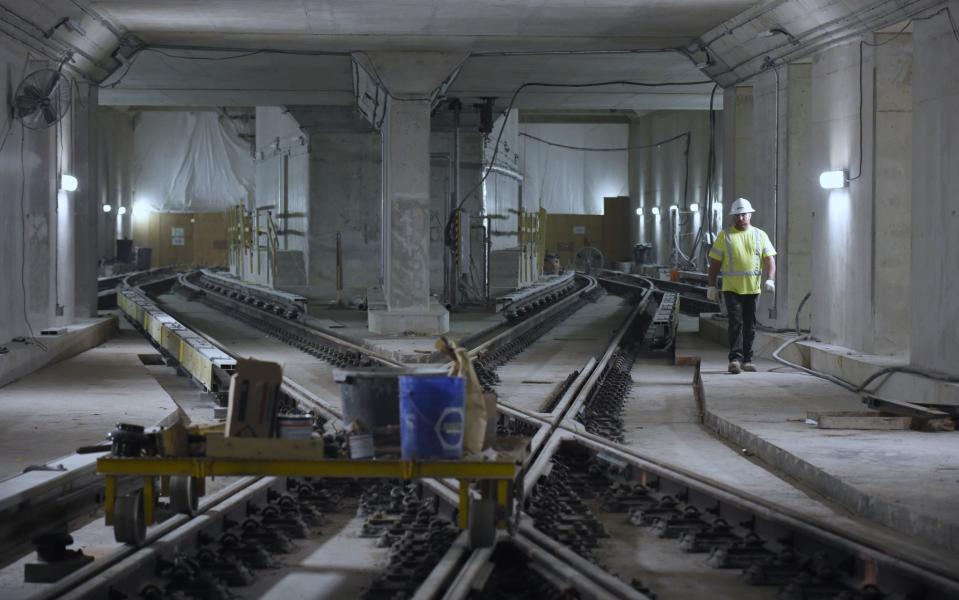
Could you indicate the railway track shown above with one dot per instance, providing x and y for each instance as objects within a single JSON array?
[{"x": 585, "y": 504}]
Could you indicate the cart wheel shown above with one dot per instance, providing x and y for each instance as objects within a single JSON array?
[
  {"x": 482, "y": 522},
  {"x": 129, "y": 524},
  {"x": 184, "y": 498}
]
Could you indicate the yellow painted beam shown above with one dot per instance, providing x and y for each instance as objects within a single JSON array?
[{"x": 400, "y": 469}]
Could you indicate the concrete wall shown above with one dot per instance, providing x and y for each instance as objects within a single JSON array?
[
  {"x": 842, "y": 219},
  {"x": 934, "y": 280},
  {"x": 662, "y": 175},
  {"x": 861, "y": 233},
  {"x": 49, "y": 257},
  {"x": 345, "y": 174},
  {"x": 892, "y": 231},
  {"x": 799, "y": 186},
  {"x": 115, "y": 165}
]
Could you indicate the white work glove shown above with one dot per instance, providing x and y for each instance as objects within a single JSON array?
[
  {"x": 770, "y": 285},
  {"x": 712, "y": 294}
]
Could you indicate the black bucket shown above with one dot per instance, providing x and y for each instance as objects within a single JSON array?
[{"x": 370, "y": 402}]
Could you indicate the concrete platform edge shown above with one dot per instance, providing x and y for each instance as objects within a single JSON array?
[
  {"x": 79, "y": 337},
  {"x": 844, "y": 363},
  {"x": 898, "y": 518}
]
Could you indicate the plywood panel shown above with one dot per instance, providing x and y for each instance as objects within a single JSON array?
[
  {"x": 566, "y": 234},
  {"x": 202, "y": 243},
  {"x": 209, "y": 240}
]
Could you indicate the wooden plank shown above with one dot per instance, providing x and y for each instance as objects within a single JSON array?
[
  {"x": 264, "y": 448},
  {"x": 865, "y": 420}
]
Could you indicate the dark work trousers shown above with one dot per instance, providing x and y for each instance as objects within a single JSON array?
[{"x": 741, "y": 309}]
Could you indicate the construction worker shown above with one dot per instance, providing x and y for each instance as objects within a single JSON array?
[{"x": 741, "y": 252}]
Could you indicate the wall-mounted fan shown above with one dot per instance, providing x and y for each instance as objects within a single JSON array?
[
  {"x": 588, "y": 260},
  {"x": 42, "y": 98}
]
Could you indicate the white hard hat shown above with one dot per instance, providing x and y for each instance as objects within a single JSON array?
[{"x": 741, "y": 206}]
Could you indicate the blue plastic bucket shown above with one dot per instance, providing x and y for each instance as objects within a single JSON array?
[{"x": 431, "y": 416}]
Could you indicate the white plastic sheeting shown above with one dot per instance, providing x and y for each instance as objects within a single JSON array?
[
  {"x": 573, "y": 181},
  {"x": 190, "y": 161},
  {"x": 501, "y": 190}
]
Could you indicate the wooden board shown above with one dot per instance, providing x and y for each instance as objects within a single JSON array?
[
  {"x": 203, "y": 241},
  {"x": 859, "y": 420},
  {"x": 218, "y": 446}
]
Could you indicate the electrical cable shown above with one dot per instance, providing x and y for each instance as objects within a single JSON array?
[
  {"x": 799, "y": 310},
  {"x": 509, "y": 107},
  {"x": 955, "y": 33},
  {"x": 586, "y": 149}
]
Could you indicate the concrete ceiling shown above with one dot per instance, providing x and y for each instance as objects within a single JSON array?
[
  {"x": 472, "y": 25},
  {"x": 493, "y": 31}
]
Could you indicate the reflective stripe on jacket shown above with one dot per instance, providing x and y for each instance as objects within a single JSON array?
[{"x": 741, "y": 254}]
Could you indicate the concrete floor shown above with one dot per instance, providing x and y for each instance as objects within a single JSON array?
[
  {"x": 51, "y": 412},
  {"x": 906, "y": 481}
]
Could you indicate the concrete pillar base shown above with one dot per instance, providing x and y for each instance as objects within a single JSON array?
[{"x": 434, "y": 320}]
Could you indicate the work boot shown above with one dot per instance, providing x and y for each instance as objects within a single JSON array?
[
  {"x": 734, "y": 367},
  {"x": 749, "y": 367}
]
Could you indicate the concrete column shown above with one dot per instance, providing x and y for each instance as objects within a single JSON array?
[
  {"x": 782, "y": 189},
  {"x": 86, "y": 207},
  {"x": 891, "y": 294},
  {"x": 406, "y": 152},
  {"x": 410, "y": 77},
  {"x": 934, "y": 280},
  {"x": 737, "y": 165}
]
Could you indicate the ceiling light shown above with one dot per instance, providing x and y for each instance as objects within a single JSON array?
[
  {"x": 107, "y": 208},
  {"x": 833, "y": 180},
  {"x": 69, "y": 183}
]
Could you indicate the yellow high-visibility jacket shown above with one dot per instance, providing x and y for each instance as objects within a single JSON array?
[{"x": 741, "y": 254}]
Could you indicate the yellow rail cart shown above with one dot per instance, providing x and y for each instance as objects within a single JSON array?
[{"x": 183, "y": 481}]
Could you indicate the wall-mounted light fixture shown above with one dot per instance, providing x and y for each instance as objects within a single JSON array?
[
  {"x": 694, "y": 207},
  {"x": 639, "y": 211},
  {"x": 122, "y": 210},
  {"x": 69, "y": 183},
  {"x": 673, "y": 207},
  {"x": 654, "y": 211},
  {"x": 107, "y": 208},
  {"x": 833, "y": 180},
  {"x": 141, "y": 209}
]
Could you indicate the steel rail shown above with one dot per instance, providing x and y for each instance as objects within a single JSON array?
[
  {"x": 925, "y": 568},
  {"x": 174, "y": 526}
]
